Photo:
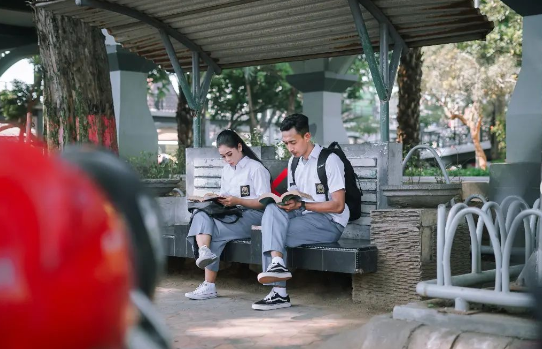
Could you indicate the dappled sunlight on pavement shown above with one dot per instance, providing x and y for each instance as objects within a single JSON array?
[{"x": 230, "y": 322}]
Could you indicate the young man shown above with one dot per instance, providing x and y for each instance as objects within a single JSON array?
[{"x": 298, "y": 222}]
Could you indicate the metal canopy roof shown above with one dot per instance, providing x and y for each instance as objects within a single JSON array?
[{"x": 237, "y": 33}]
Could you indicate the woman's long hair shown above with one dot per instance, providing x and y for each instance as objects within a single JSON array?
[{"x": 231, "y": 139}]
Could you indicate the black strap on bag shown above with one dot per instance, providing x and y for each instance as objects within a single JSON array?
[
  {"x": 215, "y": 211},
  {"x": 295, "y": 162}
]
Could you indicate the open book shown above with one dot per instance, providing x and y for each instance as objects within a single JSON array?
[
  {"x": 204, "y": 198},
  {"x": 270, "y": 198}
]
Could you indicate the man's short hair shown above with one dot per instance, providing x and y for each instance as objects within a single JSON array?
[{"x": 298, "y": 121}]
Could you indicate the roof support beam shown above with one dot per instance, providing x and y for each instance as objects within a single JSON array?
[
  {"x": 381, "y": 18},
  {"x": 130, "y": 12},
  {"x": 383, "y": 76},
  {"x": 381, "y": 90}
]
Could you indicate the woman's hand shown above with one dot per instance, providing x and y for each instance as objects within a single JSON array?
[{"x": 229, "y": 201}]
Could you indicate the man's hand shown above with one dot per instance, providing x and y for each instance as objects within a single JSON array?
[
  {"x": 229, "y": 201},
  {"x": 291, "y": 205}
]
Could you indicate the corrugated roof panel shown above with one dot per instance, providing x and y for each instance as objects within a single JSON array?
[{"x": 238, "y": 33}]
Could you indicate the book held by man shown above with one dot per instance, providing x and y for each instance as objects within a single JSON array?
[
  {"x": 270, "y": 198},
  {"x": 205, "y": 198}
]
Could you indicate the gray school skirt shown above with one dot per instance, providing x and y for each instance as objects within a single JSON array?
[{"x": 222, "y": 231}]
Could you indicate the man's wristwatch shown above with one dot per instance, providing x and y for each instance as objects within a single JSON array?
[{"x": 302, "y": 207}]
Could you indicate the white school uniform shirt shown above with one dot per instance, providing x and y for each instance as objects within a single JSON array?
[
  {"x": 248, "y": 179},
  {"x": 306, "y": 180}
]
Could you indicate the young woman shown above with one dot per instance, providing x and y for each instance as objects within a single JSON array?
[{"x": 244, "y": 179}]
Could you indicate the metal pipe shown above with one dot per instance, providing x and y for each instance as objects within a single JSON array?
[
  {"x": 441, "y": 216},
  {"x": 475, "y": 196},
  {"x": 153, "y": 22},
  {"x": 394, "y": 65},
  {"x": 195, "y": 74},
  {"x": 368, "y": 49},
  {"x": 196, "y": 121},
  {"x": 507, "y": 200},
  {"x": 384, "y": 70},
  {"x": 205, "y": 85},
  {"x": 516, "y": 251},
  {"x": 461, "y": 305},
  {"x": 178, "y": 71},
  {"x": 483, "y": 277},
  {"x": 472, "y": 233},
  {"x": 450, "y": 233},
  {"x": 533, "y": 222},
  {"x": 510, "y": 241},
  {"x": 515, "y": 206},
  {"x": 519, "y": 300},
  {"x": 500, "y": 226},
  {"x": 437, "y": 157}
]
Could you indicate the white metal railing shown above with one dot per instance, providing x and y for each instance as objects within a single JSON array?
[{"x": 502, "y": 223}]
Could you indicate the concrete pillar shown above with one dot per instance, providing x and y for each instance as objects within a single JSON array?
[
  {"x": 136, "y": 132},
  {"x": 323, "y": 82},
  {"x": 520, "y": 175}
]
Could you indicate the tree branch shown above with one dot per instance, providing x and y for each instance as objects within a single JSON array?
[{"x": 460, "y": 117}]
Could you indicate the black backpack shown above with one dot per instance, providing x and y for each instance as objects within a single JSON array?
[{"x": 353, "y": 192}]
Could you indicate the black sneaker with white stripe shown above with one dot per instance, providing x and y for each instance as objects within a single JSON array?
[
  {"x": 275, "y": 272},
  {"x": 272, "y": 301}
]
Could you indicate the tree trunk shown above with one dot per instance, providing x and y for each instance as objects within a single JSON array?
[
  {"x": 184, "y": 117},
  {"x": 481, "y": 159},
  {"x": 253, "y": 121},
  {"x": 78, "y": 103},
  {"x": 499, "y": 107},
  {"x": 473, "y": 120},
  {"x": 409, "y": 80},
  {"x": 292, "y": 98}
]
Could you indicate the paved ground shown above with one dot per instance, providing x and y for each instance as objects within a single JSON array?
[{"x": 321, "y": 309}]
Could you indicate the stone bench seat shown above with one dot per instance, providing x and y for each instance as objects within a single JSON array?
[{"x": 351, "y": 256}]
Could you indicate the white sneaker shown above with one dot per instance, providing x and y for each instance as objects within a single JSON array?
[
  {"x": 205, "y": 258},
  {"x": 204, "y": 291}
]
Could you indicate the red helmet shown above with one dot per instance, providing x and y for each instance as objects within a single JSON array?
[{"x": 65, "y": 264}]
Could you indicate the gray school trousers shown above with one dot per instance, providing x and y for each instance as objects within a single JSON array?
[
  {"x": 221, "y": 232},
  {"x": 281, "y": 229}
]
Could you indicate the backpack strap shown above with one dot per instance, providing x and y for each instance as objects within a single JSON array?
[
  {"x": 321, "y": 169},
  {"x": 295, "y": 162}
]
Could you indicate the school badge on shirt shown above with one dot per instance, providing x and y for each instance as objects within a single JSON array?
[
  {"x": 245, "y": 191},
  {"x": 320, "y": 188}
]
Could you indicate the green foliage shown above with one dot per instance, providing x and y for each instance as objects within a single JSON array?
[
  {"x": 147, "y": 166},
  {"x": 499, "y": 130},
  {"x": 504, "y": 40},
  {"x": 365, "y": 84},
  {"x": 254, "y": 139},
  {"x": 359, "y": 100},
  {"x": 452, "y": 172},
  {"x": 228, "y": 98},
  {"x": 16, "y": 102},
  {"x": 159, "y": 78},
  {"x": 281, "y": 151},
  {"x": 13, "y": 103},
  {"x": 483, "y": 71}
]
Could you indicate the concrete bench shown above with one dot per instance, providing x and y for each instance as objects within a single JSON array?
[{"x": 351, "y": 256}]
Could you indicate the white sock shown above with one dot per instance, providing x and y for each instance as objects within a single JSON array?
[
  {"x": 281, "y": 291},
  {"x": 210, "y": 283},
  {"x": 277, "y": 260}
]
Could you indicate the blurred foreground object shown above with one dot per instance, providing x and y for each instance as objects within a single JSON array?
[{"x": 80, "y": 253}]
